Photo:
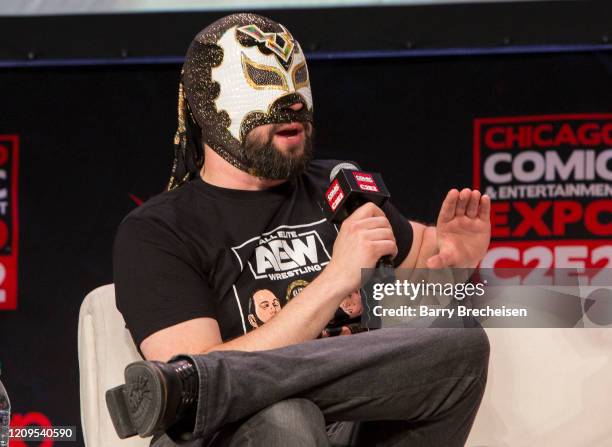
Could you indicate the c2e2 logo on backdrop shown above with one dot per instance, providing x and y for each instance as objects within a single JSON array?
[
  {"x": 550, "y": 181},
  {"x": 9, "y": 228}
]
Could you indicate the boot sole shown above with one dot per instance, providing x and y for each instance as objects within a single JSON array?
[{"x": 138, "y": 406}]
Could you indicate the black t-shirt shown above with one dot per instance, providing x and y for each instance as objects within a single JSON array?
[{"x": 232, "y": 255}]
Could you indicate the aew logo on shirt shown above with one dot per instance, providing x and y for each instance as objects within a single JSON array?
[{"x": 288, "y": 251}]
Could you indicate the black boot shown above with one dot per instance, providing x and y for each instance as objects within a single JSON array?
[{"x": 155, "y": 396}]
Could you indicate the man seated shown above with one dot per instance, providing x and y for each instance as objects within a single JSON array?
[{"x": 228, "y": 282}]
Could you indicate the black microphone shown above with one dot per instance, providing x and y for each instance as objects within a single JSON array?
[{"x": 350, "y": 188}]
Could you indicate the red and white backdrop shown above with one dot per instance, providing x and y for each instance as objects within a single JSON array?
[
  {"x": 82, "y": 147},
  {"x": 9, "y": 225},
  {"x": 550, "y": 181}
]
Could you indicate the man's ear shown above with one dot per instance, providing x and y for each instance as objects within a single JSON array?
[{"x": 252, "y": 320}]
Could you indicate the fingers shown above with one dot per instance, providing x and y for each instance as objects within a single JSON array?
[
  {"x": 435, "y": 262},
  {"x": 382, "y": 241},
  {"x": 384, "y": 248},
  {"x": 366, "y": 217},
  {"x": 485, "y": 208},
  {"x": 441, "y": 260},
  {"x": 366, "y": 210},
  {"x": 464, "y": 199},
  {"x": 474, "y": 202},
  {"x": 370, "y": 223},
  {"x": 470, "y": 203},
  {"x": 379, "y": 234},
  {"x": 447, "y": 211},
  {"x": 374, "y": 232}
]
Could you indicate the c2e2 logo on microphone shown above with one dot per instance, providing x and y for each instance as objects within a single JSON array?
[
  {"x": 334, "y": 195},
  {"x": 9, "y": 230},
  {"x": 365, "y": 181}
]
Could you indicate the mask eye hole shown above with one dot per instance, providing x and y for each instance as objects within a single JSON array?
[
  {"x": 300, "y": 76},
  {"x": 261, "y": 76}
]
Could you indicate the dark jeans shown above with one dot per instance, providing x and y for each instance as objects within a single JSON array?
[{"x": 389, "y": 387}]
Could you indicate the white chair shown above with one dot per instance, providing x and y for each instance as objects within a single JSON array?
[
  {"x": 545, "y": 386},
  {"x": 105, "y": 348}
]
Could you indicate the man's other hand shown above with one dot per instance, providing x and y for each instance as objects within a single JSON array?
[{"x": 463, "y": 230}]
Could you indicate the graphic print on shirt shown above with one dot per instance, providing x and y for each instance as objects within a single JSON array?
[
  {"x": 346, "y": 319},
  {"x": 277, "y": 265},
  {"x": 295, "y": 288},
  {"x": 288, "y": 251},
  {"x": 263, "y": 306}
]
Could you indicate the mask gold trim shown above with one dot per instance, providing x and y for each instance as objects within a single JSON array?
[
  {"x": 305, "y": 83},
  {"x": 246, "y": 63}
]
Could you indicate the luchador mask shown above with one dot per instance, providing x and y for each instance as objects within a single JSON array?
[{"x": 241, "y": 72}]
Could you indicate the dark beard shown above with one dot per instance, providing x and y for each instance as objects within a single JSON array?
[{"x": 266, "y": 161}]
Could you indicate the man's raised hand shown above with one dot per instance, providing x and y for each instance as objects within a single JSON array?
[{"x": 463, "y": 229}]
